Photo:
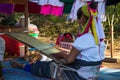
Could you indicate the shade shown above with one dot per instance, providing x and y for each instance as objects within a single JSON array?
[{"x": 112, "y": 2}]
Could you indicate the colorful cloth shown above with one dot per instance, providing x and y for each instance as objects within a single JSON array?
[
  {"x": 45, "y": 9},
  {"x": 79, "y": 3},
  {"x": 63, "y": 37},
  {"x": 33, "y": 7},
  {"x": 67, "y": 5},
  {"x": 57, "y": 11},
  {"x": 19, "y": 8},
  {"x": 92, "y": 23},
  {"x": 6, "y": 8},
  {"x": 51, "y": 7}
]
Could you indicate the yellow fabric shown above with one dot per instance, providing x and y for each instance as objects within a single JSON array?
[
  {"x": 90, "y": 13},
  {"x": 94, "y": 26},
  {"x": 85, "y": 10}
]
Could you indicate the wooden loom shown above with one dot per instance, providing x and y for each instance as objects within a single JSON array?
[{"x": 43, "y": 48}]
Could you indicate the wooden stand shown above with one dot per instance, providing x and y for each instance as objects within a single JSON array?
[{"x": 4, "y": 28}]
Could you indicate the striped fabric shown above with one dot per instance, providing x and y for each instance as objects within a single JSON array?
[{"x": 65, "y": 47}]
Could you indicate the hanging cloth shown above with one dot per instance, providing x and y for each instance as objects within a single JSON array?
[
  {"x": 67, "y": 5},
  {"x": 79, "y": 3},
  {"x": 33, "y": 7},
  {"x": 6, "y": 8},
  {"x": 57, "y": 7}
]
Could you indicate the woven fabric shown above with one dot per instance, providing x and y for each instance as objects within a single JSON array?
[{"x": 67, "y": 47}]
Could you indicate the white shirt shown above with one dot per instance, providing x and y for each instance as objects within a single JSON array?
[{"x": 89, "y": 51}]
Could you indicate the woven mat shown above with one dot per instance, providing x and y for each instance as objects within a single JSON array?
[{"x": 30, "y": 41}]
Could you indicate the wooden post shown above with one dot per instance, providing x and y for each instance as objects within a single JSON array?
[
  {"x": 26, "y": 22},
  {"x": 112, "y": 36},
  {"x": 26, "y": 15}
]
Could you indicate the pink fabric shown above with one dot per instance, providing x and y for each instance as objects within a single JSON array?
[
  {"x": 57, "y": 11},
  {"x": 59, "y": 38},
  {"x": 45, "y": 9},
  {"x": 6, "y": 8}
]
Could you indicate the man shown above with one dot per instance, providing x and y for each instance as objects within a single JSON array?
[{"x": 87, "y": 51}]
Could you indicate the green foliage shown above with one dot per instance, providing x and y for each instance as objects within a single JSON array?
[
  {"x": 53, "y": 26},
  {"x": 110, "y": 11}
]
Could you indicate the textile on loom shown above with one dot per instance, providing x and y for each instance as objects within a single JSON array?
[{"x": 44, "y": 48}]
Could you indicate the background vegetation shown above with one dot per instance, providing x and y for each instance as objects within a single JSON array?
[{"x": 52, "y": 26}]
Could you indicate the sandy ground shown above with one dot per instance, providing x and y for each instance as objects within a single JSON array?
[{"x": 112, "y": 61}]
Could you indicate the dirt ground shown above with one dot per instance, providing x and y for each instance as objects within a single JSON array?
[{"x": 113, "y": 62}]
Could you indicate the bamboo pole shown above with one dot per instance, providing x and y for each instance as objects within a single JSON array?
[
  {"x": 112, "y": 36},
  {"x": 26, "y": 22},
  {"x": 26, "y": 15}
]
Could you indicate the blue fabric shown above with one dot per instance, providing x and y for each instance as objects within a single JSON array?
[
  {"x": 10, "y": 73},
  {"x": 41, "y": 69},
  {"x": 27, "y": 67},
  {"x": 79, "y": 63},
  {"x": 17, "y": 74},
  {"x": 71, "y": 75},
  {"x": 109, "y": 74}
]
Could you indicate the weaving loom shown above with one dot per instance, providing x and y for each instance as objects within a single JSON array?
[{"x": 43, "y": 48}]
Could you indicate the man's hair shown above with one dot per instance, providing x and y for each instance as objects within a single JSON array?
[{"x": 79, "y": 13}]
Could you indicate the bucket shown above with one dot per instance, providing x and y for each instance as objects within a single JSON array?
[
  {"x": 12, "y": 46},
  {"x": 35, "y": 35},
  {"x": 22, "y": 51}
]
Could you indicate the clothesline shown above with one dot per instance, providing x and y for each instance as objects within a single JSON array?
[{"x": 52, "y": 7}]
